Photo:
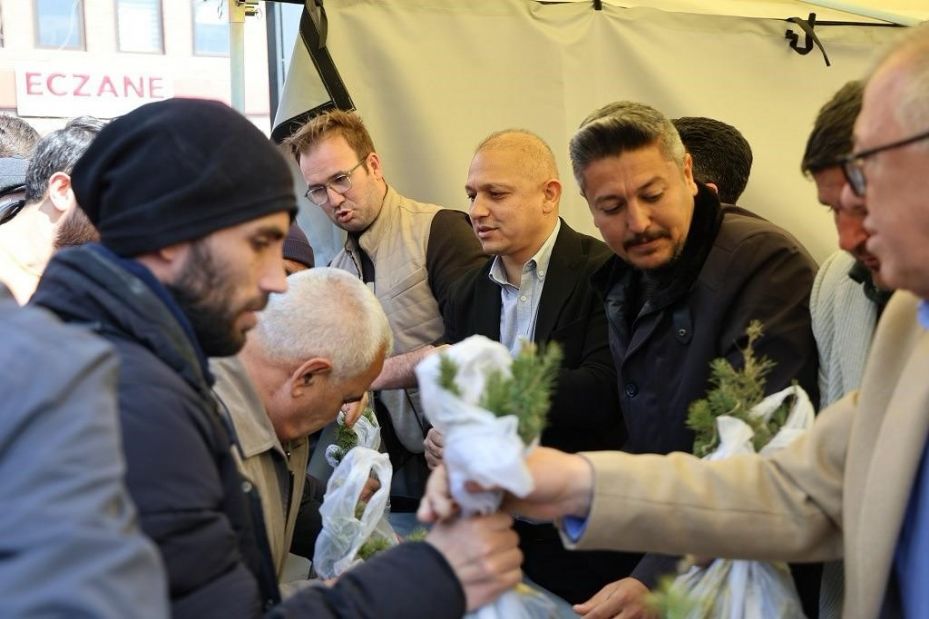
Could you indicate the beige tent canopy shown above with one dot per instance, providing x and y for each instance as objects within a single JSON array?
[{"x": 433, "y": 77}]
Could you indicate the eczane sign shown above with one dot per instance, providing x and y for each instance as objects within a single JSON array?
[{"x": 75, "y": 90}]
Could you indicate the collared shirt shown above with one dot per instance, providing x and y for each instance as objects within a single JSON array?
[{"x": 520, "y": 305}]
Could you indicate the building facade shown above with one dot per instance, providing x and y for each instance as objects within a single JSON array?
[{"x": 66, "y": 58}]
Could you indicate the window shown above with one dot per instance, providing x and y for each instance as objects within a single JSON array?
[
  {"x": 59, "y": 23},
  {"x": 138, "y": 25},
  {"x": 211, "y": 28}
]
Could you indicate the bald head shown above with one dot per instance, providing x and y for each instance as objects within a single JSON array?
[
  {"x": 514, "y": 192},
  {"x": 536, "y": 160}
]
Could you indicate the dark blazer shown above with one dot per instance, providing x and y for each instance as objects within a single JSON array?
[
  {"x": 585, "y": 411},
  {"x": 585, "y": 408}
]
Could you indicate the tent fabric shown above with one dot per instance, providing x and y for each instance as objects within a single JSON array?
[
  {"x": 431, "y": 78},
  {"x": 902, "y": 12}
]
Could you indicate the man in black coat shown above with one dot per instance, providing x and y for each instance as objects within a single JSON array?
[
  {"x": 687, "y": 279},
  {"x": 193, "y": 204},
  {"x": 536, "y": 288}
]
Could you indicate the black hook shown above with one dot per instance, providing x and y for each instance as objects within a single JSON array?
[{"x": 809, "y": 40}]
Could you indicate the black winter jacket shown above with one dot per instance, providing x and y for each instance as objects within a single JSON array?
[{"x": 180, "y": 470}]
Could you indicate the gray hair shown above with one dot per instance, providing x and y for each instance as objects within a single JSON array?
[
  {"x": 325, "y": 313},
  {"x": 912, "y": 48},
  {"x": 619, "y": 127}
]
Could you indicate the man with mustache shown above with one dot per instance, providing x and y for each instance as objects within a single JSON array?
[
  {"x": 856, "y": 486},
  {"x": 410, "y": 253},
  {"x": 193, "y": 203},
  {"x": 687, "y": 279},
  {"x": 49, "y": 218}
]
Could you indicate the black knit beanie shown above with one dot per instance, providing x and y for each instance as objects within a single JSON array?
[
  {"x": 177, "y": 170},
  {"x": 297, "y": 247}
]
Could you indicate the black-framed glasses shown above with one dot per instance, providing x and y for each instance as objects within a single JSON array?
[
  {"x": 853, "y": 164},
  {"x": 340, "y": 183}
]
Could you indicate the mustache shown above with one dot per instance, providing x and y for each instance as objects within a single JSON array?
[
  {"x": 257, "y": 304},
  {"x": 646, "y": 237}
]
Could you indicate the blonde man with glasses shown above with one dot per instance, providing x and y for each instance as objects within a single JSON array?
[{"x": 409, "y": 252}]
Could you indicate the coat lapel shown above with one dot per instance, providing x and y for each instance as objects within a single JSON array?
[
  {"x": 485, "y": 313},
  {"x": 891, "y": 471},
  {"x": 560, "y": 281}
]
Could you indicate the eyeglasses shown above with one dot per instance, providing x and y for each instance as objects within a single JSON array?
[
  {"x": 853, "y": 164},
  {"x": 340, "y": 183}
]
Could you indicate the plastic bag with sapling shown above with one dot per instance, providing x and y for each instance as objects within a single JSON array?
[
  {"x": 366, "y": 432},
  {"x": 491, "y": 410},
  {"x": 354, "y": 530},
  {"x": 734, "y": 418}
]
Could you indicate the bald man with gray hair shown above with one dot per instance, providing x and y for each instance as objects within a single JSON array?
[
  {"x": 315, "y": 350},
  {"x": 536, "y": 288}
]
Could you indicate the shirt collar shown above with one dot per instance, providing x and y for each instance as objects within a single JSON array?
[{"x": 537, "y": 264}]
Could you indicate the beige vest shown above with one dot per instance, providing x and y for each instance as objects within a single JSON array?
[{"x": 396, "y": 243}]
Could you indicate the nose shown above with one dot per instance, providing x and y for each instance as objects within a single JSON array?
[
  {"x": 638, "y": 217},
  {"x": 273, "y": 276},
  {"x": 851, "y": 230},
  {"x": 850, "y": 219},
  {"x": 335, "y": 198},
  {"x": 477, "y": 210}
]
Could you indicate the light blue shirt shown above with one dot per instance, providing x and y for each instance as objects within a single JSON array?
[
  {"x": 911, "y": 558},
  {"x": 520, "y": 305}
]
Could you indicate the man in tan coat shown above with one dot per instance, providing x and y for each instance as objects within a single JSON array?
[
  {"x": 297, "y": 369},
  {"x": 857, "y": 485}
]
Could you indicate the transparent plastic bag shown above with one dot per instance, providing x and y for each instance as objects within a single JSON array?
[
  {"x": 343, "y": 533},
  {"x": 730, "y": 589}
]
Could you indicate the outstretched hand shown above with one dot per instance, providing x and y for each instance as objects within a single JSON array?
[{"x": 563, "y": 487}]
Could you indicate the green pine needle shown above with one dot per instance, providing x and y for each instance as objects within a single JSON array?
[
  {"x": 525, "y": 394},
  {"x": 735, "y": 392}
]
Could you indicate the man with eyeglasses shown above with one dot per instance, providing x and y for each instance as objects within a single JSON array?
[
  {"x": 410, "y": 253},
  {"x": 857, "y": 484}
]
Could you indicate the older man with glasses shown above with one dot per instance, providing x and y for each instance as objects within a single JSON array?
[{"x": 410, "y": 253}]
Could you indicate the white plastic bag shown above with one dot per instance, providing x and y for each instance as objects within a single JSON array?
[
  {"x": 730, "y": 589},
  {"x": 481, "y": 447},
  {"x": 343, "y": 534}
]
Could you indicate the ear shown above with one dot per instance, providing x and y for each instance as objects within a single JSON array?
[
  {"x": 689, "y": 174},
  {"x": 166, "y": 263},
  {"x": 308, "y": 375},
  {"x": 60, "y": 193},
  {"x": 552, "y": 191},
  {"x": 713, "y": 187},
  {"x": 373, "y": 164}
]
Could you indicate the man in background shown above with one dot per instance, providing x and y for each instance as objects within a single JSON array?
[
  {"x": 537, "y": 289},
  {"x": 410, "y": 253},
  {"x": 722, "y": 157},
  {"x": 49, "y": 218}
]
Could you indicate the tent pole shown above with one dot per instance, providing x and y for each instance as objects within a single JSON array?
[
  {"x": 873, "y": 13},
  {"x": 237, "y": 10}
]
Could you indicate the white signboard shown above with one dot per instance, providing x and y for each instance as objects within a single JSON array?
[{"x": 58, "y": 90}]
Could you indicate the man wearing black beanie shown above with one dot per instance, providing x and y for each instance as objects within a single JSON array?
[{"x": 193, "y": 203}]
